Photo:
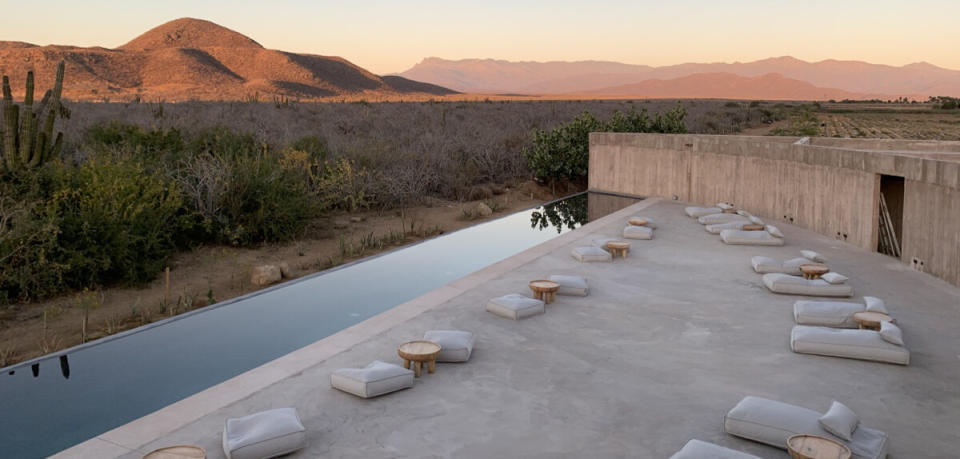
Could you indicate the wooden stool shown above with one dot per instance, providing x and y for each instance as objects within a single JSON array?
[
  {"x": 814, "y": 447},
  {"x": 813, "y": 270},
  {"x": 869, "y": 320},
  {"x": 544, "y": 290},
  {"x": 753, "y": 227},
  {"x": 618, "y": 248},
  {"x": 637, "y": 221},
  {"x": 419, "y": 352}
]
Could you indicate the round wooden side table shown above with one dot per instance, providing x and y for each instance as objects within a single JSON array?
[
  {"x": 618, "y": 248},
  {"x": 815, "y": 447},
  {"x": 753, "y": 227},
  {"x": 869, "y": 320},
  {"x": 637, "y": 221},
  {"x": 419, "y": 352},
  {"x": 813, "y": 270},
  {"x": 544, "y": 290}
]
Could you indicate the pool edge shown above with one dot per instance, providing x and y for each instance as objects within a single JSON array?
[{"x": 135, "y": 434}]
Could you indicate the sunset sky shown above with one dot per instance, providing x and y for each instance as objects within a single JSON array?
[{"x": 391, "y": 36}]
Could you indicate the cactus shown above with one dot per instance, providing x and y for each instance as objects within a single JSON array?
[{"x": 24, "y": 144}]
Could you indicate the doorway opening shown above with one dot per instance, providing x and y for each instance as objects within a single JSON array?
[{"x": 891, "y": 215}]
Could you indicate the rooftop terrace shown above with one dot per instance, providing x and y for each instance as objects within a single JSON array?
[{"x": 667, "y": 342}]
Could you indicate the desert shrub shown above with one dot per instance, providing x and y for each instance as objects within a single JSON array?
[
  {"x": 344, "y": 185},
  {"x": 224, "y": 141},
  {"x": 562, "y": 154},
  {"x": 29, "y": 267},
  {"x": 151, "y": 144},
  {"x": 315, "y": 147}
]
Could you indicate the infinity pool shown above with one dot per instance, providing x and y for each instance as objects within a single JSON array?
[{"x": 52, "y": 403}]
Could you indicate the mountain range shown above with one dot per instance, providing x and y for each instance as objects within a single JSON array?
[
  {"x": 196, "y": 59},
  {"x": 781, "y": 78}
]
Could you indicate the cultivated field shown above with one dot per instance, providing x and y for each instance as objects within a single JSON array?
[{"x": 891, "y": 125}]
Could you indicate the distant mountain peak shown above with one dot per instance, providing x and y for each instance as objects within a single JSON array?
[{"x": 190, "y": 33}]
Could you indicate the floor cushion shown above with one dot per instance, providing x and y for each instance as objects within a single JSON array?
[
  {"x": 696, "y": 449},
  {"x": 515, "y": 306},
  {"x": 650, "y": 222},
  {"x": 772, "y": 423},
  {"x": 591, "y": 254},
  {"x": 766, "y": 265},
  {"x": 714, "y": 219},
  {"x": 638, "y": 232},
  {"x": 740, "y": 237},
  {"x": 376, "y": 379},
  {"x": 571, "y": 285},
  {"x": 697, "y": 212},
  {"x": 837, "y": 314},
  {"x": 847, "y": 343},
  {"x": 455, "y": 345},
  {"x": 796, "y": 285},
  {"x": 265, "y": 434},
  {"x": 718, "y": 227}
]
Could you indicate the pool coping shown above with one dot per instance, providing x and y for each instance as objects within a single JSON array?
[{"x": 135, "y": 434}]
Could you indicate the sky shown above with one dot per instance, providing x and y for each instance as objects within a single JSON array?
[{"x": 391, "y": 36}]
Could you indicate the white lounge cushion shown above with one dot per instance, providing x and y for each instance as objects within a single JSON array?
[
  {"x": 697, "y": 212},
  {"x": 835, "y": 314},
  {"x": 638, "y": 232},
  {"x": 840, "y": 421},
  {"x": 714, "y": 219},
  {"x": 696, "y": 449},
  {"x": 374, "y": 380},
  {"x": 774, "y": 231},
  {"x": 811, "y": 255},
  {"x": 571, "y": 285},
  {"x": 875, "y": 304},
  {"x": 718, "y": 227},
  {"x": 740, "y": 237},
  {"x": 650, "y": 222},
  {"x": 765, "y": 265},
  {"x": 772, "y": 423},
  {"x": 755, "y": 220},
  {"x": 834, "y": 278},
  {"x": 263, "y": 435},
  {"x": 725, "y": 205},
  {"x": 891, "y": 333},
  {"x": 843, "y": 342},
  {"x": 455, "y": 345},
  {"x": 796, "y": 285},
  {"x": 515, "y": 306},
  {"x": 744, "y": 213},
  {"x": 590, "y": 254}
]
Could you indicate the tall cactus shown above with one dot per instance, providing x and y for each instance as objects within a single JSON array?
[{"x": 25, "y": 145}]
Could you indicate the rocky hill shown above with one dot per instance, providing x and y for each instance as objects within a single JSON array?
[{"x": 196, "y": 59}]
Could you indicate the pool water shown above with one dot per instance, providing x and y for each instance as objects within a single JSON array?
[{"x": 52, "y": 403}]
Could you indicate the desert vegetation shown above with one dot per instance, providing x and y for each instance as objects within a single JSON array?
[{"x": 933, "y": 120}]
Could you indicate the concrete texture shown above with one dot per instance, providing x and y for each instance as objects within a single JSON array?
[
  {"x": 668, "y": 340},
  {"x": 831, "y": 186}
]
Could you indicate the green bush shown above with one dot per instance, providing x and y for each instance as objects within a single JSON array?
[
  {"x": 155, "y": 144},
  {"x": 562, "y": 154}
]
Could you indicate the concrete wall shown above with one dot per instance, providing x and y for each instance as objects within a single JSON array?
[{"x": 828, "y": 189}]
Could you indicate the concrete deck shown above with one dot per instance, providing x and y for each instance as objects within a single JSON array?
[{"x": 668, "y": 341}]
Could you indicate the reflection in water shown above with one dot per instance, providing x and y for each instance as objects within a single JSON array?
[
  {"x": 64, "y": 367},
  {"x": 35, "y": 368},
  {"x": 566, "y": 213}
]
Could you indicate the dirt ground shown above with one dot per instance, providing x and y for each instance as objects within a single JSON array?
[{"x": 222, "y": 272}]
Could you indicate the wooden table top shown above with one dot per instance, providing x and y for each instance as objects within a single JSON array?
[
  {"x": 177, "y": 452},
  {"x": 637, "y": 221},
  {"x": 814, "y": 268},
  {"x": 870, "y": 317},
  {"x": 753, "y": 227},
  {"x": 618, "y": 245},
  {"x": 419, "y": 350},
  {"x": 544, "y": 285},
  {"x": 814, "y": 447}
]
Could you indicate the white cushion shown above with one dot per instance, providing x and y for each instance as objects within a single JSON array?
[
  {"x": 725, "y": 205},
  {"x": 375, "y": 379},
  {"x": 891, "y": 333},
  {"x": 811, "y": 255},
  {"x": 847, "y": 343},
  {"x": 266, "y": 434},
  {"x": 875, "y": 304},
  {"x": 772, "y": 422},
  {"x": 826, "y": 313},
  {"x": 744, "y": 213},
  {"x": 455, "y": 345},
  {"x": 774, "y": 231},
  {"x": 764, "y": 265},
  {"x": 588, "y": 254},
  {"x": 755, "y": 220},
  {"x": 571, "y": 285},
  {"x": 696, "y": 449},
  {"x": 840, "y": 421},
  {"x": 713, "y": 219},
  {"x": 718, "y": 227},
  {"x": 834, "y": 278},
  {"x": 740, "y": 237},
  {"x": 697, "y": 212},
  {"x": 515, "y": 306},
  {"x": 796, "y": 285},
  {"x": 638, "y": 232}
]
